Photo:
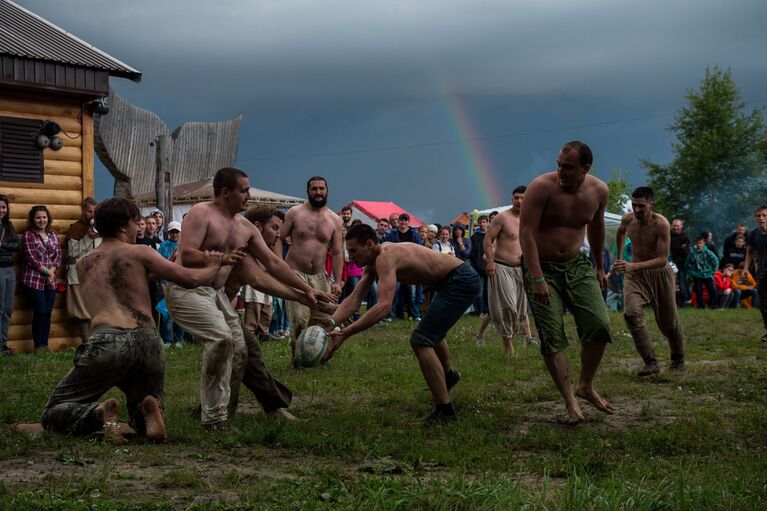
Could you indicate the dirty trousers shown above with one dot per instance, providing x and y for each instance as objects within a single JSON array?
[
  {"x": 131, "y": 360},
  {"x": 208, "y": 315},
  {"x": 656, "y": 287}
]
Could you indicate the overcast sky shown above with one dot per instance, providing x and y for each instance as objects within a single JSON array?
[{"x": 381, "y": 97}]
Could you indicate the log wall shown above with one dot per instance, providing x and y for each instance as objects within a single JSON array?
[{"x": 68, "y": 180}]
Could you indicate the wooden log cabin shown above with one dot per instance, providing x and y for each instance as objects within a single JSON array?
[{"x": 47, "y": 74}]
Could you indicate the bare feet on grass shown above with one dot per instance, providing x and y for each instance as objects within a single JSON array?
[
  {"x": 508, "y": 347},
  {"x": 109, "y": 412},
  {"x": 574, "y": 414},
  {"x": 155, "y": 425},
  {"x": 590, "y": 395}
]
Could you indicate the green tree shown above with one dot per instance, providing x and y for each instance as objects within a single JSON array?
[
  {"x": 620, "y": 191},
  {"x": 717, "y": 175}
]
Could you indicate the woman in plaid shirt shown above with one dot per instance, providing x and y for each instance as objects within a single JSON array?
[{"x": 42, "y": 257}]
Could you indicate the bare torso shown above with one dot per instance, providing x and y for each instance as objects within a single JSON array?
[
  {"x": 565, "y": 215},
  {"x": 114, "y": 285},
  {"x": 416, "y": 264},
  {"x": 506, "y": 247},
  {"x": 206, "y": 227},
  {"x": 311, "y": 230},
  {"x": 647, "y": 240}
]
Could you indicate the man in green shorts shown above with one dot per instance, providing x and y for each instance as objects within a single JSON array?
[{"x": 561, "y": 207}]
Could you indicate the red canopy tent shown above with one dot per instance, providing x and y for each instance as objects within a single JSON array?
[{"x": 369, "y": 212}]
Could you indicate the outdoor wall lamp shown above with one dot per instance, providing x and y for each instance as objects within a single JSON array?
[{"x": 48, "y": 136}]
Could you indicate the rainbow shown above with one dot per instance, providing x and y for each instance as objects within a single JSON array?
[{"x": 477, "y": 159}]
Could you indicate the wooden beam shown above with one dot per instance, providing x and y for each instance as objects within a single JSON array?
[
  {"x": 71, "y": 125},
  {"x": 43, "y": 196},
  {"x": 63, "y": 168},
  {"x": 87, "y": 154}
]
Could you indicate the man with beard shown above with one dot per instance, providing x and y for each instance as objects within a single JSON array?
[
  {"x": 561, "y": 208},
  {"x": 206, "y": 312},
  {"x": 312, "y": 227},
  {"x": 649, "y": 279},
  {"x": 346, "y": 216}
]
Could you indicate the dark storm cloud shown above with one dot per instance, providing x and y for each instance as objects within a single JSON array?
[{"x": 337, "y": 76}]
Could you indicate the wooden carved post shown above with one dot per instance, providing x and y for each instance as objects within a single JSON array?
[{"x": 162, "y": 176}]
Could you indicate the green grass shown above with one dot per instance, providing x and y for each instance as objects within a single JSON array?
[{"x": 692, "y": 441}]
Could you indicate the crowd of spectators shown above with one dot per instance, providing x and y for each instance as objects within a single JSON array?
[{"x": 704, "y": 275}]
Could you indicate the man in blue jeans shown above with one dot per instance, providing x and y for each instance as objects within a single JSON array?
[{"x": 454, "y": 283}]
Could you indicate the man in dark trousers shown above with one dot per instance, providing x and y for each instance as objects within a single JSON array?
[{"x": 477, "y": 260}]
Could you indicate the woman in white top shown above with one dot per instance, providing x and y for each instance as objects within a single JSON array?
[{"x": 443, "y": 244}]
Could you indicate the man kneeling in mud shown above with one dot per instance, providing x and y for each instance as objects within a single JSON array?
[{"x": 124, "y": 349}]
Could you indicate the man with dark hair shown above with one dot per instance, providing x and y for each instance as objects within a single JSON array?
[
  {"x": 346, "y": 216},
  {"x": 81, "y": 239},
  {"x": 273, "y": 396},
  {"x": 680, "y": 247},
  {"x": 507, "y": 301},
  {"x": 383, "y": 229},
  {"x": 648, "y": 280},
  {"x": 405, "y": 294},
  {"x": 206, "y": 312},
  {"x": 757, "y": 253},
  {"x": 124, "y": 349},
  {"x": 455, "y": 283},
  {"x": 312, "y": 227},
  {"x": 729, "y": 244},
  {"x": 561, "y": 208},
  {"x": 477, "y": 259}
]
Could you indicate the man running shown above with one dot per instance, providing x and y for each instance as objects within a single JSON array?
[
  {"x": 757, "y": 253},
  {"x": 560, "y": 208},
  {"x": 506, "y": 289},
  {"x": 454, "y": 283},
  {"x": 206, "y": 312},
  {"x": 312, "y": 227},
  {"x": 649, "y": 279},
  {"x": 124, "y": 349}
]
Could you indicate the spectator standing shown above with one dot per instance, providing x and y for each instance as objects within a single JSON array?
[
  {"x": 405, "y": 293},
  {"x": 709, "y": 237},
  {"x": 442, "y": 244},
  {"x": 172, "y": 334},
  {"x": 141, "y": 228},
  {"x": 432, "y": 234},
  {"x": 727, "y": 297},
  {"x": 160, "y": 232},
  {"x": 461, "y": 243},
  {"x": 81, "y": 239},
  {"x": 42, "y": 257},
  {"x": 423, "y": 233},
  {"x": 150, "y": 239},
  {"x": 346, "y": 216},
  {"x": 680, "y": 247},
  {"x": 736, "y": 253},
  {"x": 757, "y": 250},
  {"x": 701, "y": 264},
  {"x": 9, "y": 243},
  {"x": 393, "y": 222},
  {"x": 383, "y": 229},
  {"x": 477, "y": 259},
  {"x": 729, "y": 242}
]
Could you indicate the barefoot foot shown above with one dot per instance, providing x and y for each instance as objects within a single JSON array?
[
  {"x": 595, "y": 399},
  {"x": 155, "y": 425},
  {"x": 508, "y": 347},
  {"x": 574, "y": 414},
  {"x": 108, "y": 412}
]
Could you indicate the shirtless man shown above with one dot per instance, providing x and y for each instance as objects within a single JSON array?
[
  {"x": 312, "y": 227},
  {"x": 124, "y": 349},
  {"x": 506, "y": 288},
  {"x": 649, "y": 279},
  {"x": 273, "y": 396},
  {"x": 206, "y": 312},
  {"x": 560, "y": 207},
  {"x": 455, "y": 284}
]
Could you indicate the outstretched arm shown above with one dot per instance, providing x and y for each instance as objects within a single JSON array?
[
  {"x": 387, "y": 284},
  {"x": 161, "y": 268}
]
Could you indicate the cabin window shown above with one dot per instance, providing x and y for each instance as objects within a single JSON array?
[{"x": 21, "y": 160}]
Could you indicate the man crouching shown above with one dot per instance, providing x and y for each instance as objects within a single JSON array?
[
  {"x": 124, "y": 349},
  {"x": 455, "y": 285}
]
